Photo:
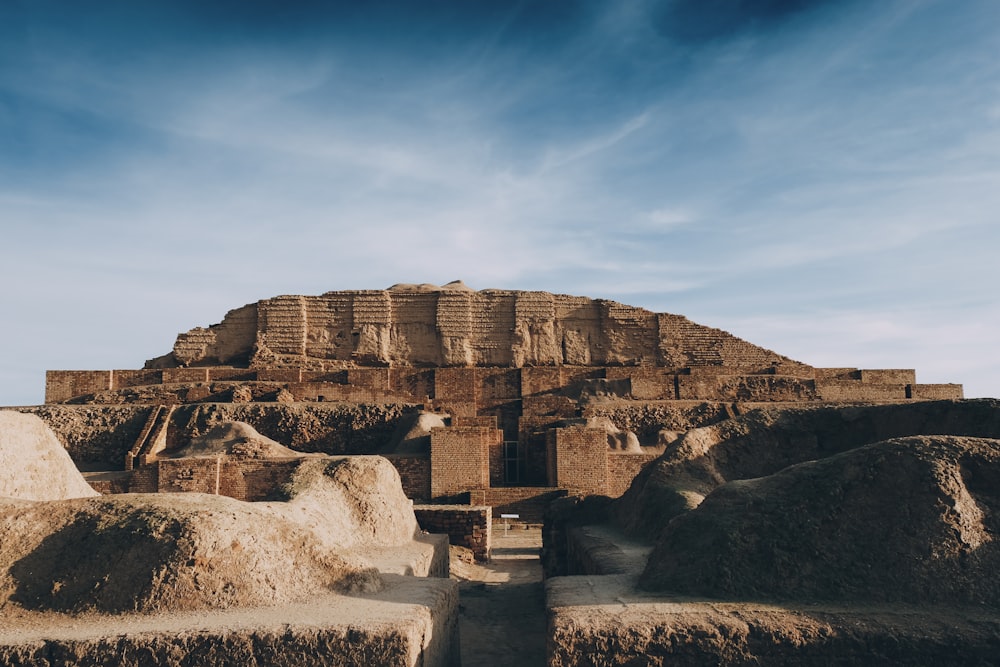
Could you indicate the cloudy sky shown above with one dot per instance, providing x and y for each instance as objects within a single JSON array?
[{"x": 818, "y": 177}]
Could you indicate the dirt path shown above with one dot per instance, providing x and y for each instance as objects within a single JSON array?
[{"x": 502, "y": 606}]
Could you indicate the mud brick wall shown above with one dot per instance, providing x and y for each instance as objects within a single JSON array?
[
  {"x": 289, "y": 375},
  {"x": 549, "y": 405},
  {"x": 414, "y": 474},
  {"x": 243, "y": 479},
  {"x": 184, "y": 375},
  {"x": 498, "y": 386},
  {"x": 540, "y": 380},
  {"x": 145, "y": 480},
  {"x": 838, "y": 390},
  {"x": 459, "y": 385},
  {"x": 222, "y": 373},
  {"x": 460, "y": 459},
  {"x": 335, "y": 393},
  {"x": 936, "y": 391},
  {"x": 528, "y": 502},
  {"x": 189, "y": 475},
  {"x": 465, "y": 525},
  {"x": 580, "y": 456},
  {"x": 888, "y": 376},
  {"x": 648, "y": 384},
  {"x": 622, "y": 469},
  {"x": 416, "y": 384},
  {"x": 256, "y": 479},
  {"x": 369, "y": 378},
  {"x": 135, "y": 378},
  {"x": 64, "y": 385},
  {"x": 749, "y": 388}
]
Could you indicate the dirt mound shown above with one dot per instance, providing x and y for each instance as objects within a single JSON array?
[
  {"x": 234, "y": 438},
  {"x": 168, "y": 552},
  {"x": 914, "y": 520},
  {"x": 33, "y": 463},
  {"x": 413, "y": 435},
  {"x": 177, "y": 552},
  {"x": 767, "y": 440},
  {"x": 350, "y": 501}
]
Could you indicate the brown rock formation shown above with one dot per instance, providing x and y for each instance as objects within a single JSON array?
[
  {"x": 768, "y": 440},
  {"x": 33, "y": 463},
  {"x": 423, "y": 325},
  {"x": 909, "y": 520}
]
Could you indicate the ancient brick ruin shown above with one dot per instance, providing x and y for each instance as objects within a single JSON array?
[{"x": 540, "y": 394}]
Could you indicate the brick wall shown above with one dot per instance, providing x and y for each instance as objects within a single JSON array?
[
  {"x": 888, "y": 375},
  {"x": 184, "y": 375},
  {"x": 622, "y": 469},
  {"x": 936, "y": 391},
  {"x": 528, "y": 502},
  {"x": 135, "y": 378},
  {"x": 456, "y": 384},
  {"x": 64, "y": 385},
  {"x": 243, "y": 479},
  {"x": 416, "y": 384},
  {"x": 460, "y": 459},
  {"x": 752, "y": 388},
  {"x": 414, "y": 474},
  {"x": 369, "y": 378},
  {"x": 224, "y": 373},
  {"x": 550, "y": 405},
  {"x": 580, "y": 457},
  {"x": 145, "y": 480},
  {"x": 648, "y": 384},
  {"x": 539, "y": 380},
  {"x": 839, "y": 390},
  {"x": 465, "y": 525},
  {"x": 189, "y": 475}
]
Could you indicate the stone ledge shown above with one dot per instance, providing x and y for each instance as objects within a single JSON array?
[
  {"x": 414, "y": 621},
  {"x": 603, "y": 620}
]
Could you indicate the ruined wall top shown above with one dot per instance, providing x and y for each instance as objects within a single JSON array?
[{"x": 453, "y": 325}]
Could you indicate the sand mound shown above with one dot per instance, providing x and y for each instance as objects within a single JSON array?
[
  {"x": 349, "y": 502},
  {"x": 33, "y": 463},
  {"x": 168, "y": 552},
  {"x": 234, "y": 438},
  {"x": 765, "y": 441},
  {"x": 178, "y": 552},
  {"x": 913, "y": 520}
]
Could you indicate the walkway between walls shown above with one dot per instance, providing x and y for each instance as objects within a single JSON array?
[{"x": 502, "y": 603}]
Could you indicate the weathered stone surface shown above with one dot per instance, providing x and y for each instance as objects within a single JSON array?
[
  {"x": 455, "y": 326},
  {"x": 767, "y": 440},
  {"x": 910, "y": 520},
  {"x": 33, "y": 463},
  {"x": 603, "y": 621},
  {"x": 412, "y": 622}
]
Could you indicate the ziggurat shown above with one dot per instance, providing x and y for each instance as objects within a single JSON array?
[{"x": 538, "y": 394}]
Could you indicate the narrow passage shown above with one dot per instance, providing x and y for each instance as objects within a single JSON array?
[{"x": 502, "y": 603}]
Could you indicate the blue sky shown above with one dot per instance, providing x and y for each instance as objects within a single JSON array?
[{"x": 818, "y": 177}]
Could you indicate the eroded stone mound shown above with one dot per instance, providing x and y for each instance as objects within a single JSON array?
[
  {"x": 350, "y": 501},
  {"x": 413, "y": 435},
  {"x": 168, "y": 552},
  {"x": 182, "y": 552},
  {"x": 765, "y": 441},
  {"x": 33, "y": 463},
  {"x": 235, "y": 438},
  {"x": 913, "y": 520}
]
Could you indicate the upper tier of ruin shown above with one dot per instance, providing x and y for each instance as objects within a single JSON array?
[{"x": 453, "y": 325}]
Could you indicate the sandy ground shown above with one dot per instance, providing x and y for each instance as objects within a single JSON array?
[{"x": 502, "y": 603}]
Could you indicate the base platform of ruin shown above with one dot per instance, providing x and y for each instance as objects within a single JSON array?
[{"x": 413, "y": 621}]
